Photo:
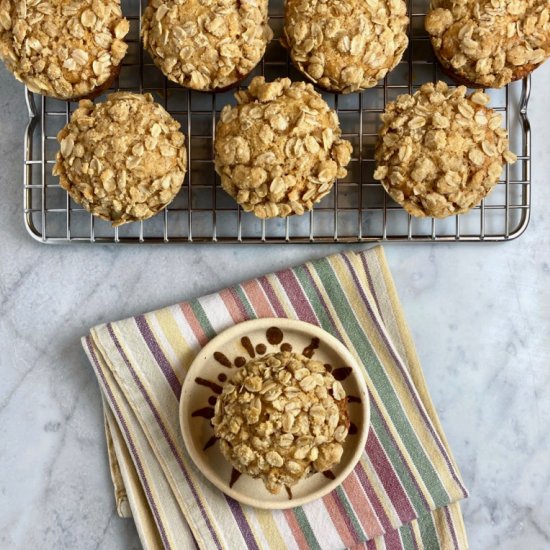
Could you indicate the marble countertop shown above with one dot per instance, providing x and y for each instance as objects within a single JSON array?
[{"x": 480, "y": 315}]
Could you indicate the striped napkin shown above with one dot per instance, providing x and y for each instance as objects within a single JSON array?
[{"x": 405, "y": 491}]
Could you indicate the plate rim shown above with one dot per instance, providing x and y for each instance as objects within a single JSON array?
[{"x": 313, "y": 330}]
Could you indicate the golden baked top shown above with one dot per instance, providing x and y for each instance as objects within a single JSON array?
[
  {"x": 491, "y": 42},
  {"x": 124, "y": 159},
  {"x": 62, "y": 48},
  {"x": 279, "y": 150},
  {"x": 281, "y": 417},
  {"x": 346, "y": 45},
  {"x": 439, "y": 151},
  {"x": 206, "y": 44}
]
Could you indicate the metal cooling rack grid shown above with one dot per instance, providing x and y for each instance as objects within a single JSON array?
[{"x": 357, "y": 210}]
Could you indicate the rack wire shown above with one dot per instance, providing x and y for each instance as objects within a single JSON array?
[{"x": 357, "y": 209}]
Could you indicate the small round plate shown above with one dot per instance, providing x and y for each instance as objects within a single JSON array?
[{"x": 218, "y": 361}]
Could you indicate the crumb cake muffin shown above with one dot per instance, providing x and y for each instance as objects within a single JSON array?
[
  {"x": 207, "y": 45},
  {"x": 279, "y": 150},
  {"x": 280, "y": 418},
  {"x": 439, "y": 151},
  {"x": 123, "y": 160},
  {"x": 490, "y": 43},
  {"x": 345, "y": 45},
  {"x": 66, "y": 49}
]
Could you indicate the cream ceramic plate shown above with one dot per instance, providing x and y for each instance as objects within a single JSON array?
[{"x": 219, "y": 360}]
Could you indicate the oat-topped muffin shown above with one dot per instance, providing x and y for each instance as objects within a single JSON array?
[
  {"x": 489, "y": 43},
  {"x": 206, "y": 44},
  {"x": 439, "y": 151},
  {"x": 123, "y": 160},
  {"x": 66, "y": 49},
  {"x": 279, "y": 150},
  {"x": 346, "y": 45},
  {"x": 280, "y": 418}
]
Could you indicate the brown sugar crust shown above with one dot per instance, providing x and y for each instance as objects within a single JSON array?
[
  {"x": 63, "y": 49},
  {"x": 491, "y": 43}
]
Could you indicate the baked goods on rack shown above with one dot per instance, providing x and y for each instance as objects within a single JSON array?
[
  {"x": 67, "y": 49},
  {"x": 279, "y": 151},
  {"x": 490, "y": 43},
  {"x": 123, "y": 160},
  {"x": 440, "y": 151},
  {"x": 346, "y": 45},
  {"x": 281, "y": 418},
  {"x": 207, "y": 45}
]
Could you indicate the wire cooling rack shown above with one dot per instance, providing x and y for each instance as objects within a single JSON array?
[{"x": 357, "y": 210}]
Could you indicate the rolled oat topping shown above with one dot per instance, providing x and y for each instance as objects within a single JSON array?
[
  {"x": 62, "y": 48},
  {"x": 280, "y": 418},
  {"x": 206, "y": 44},
  {"x": 124, "y": 159},
  {"x": 439, "y": 151},
  {"x": 346, "y": 45},
  {"x": 279, "y": 150},
  {"x": 492, "y": 42}
]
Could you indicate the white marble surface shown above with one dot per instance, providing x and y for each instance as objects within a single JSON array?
[{"x": 480, "y": 315}]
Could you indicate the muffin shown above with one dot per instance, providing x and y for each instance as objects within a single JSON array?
[
  {"x": 205, "y": 44},
  {"x": 348, "y": 45},
  {"x": 281, "y": 418},
  {"x": 279, "y": 150},
  {"x": 489, "y": 44},
  {"x": 440, "y": 152},
  {"x": 63, "y": 49},
  {"x": 123, "y": 160}
]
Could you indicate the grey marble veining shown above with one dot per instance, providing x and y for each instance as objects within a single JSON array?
[{"x": 480, "y": 315}]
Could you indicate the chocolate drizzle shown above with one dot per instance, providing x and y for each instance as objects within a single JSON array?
[
  {"x": 328, "y": 367},
  {"x": 210, "y": 442},
  {"x": 261, "y": 349},
  {"x": 222, "y": 359},
  {"x": 206, "y": 412},
  {"x": 353, "y": 399},
  {"x": 222, "y": 377},
  {"x": 235, "y": 475},
  {"x": 274, "y": 336},
  {"x": 247, "y": 345},
  {"x": 288, "y": 492},
  {"x": 212, "y": 385},
  {"x": 240, "y": 362},
  {"x": 352, "y": 429},
  {"x": 212, "y": 400},
  {"x": 310, "y": 350},
  {"x": 329, "y": 474},
  {"x": 341, "y": 373},
  {"x": 285, "y": 346}
]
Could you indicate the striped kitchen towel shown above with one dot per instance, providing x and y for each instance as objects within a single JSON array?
[{"x": 404, "y": 492}]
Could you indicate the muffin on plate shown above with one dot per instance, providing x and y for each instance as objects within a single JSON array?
[
  {"x": 64, "y": 49},
  {"x": 281, "y": 418},
  {"x": 206, "y": 45},
  {"x": 489, "y": 44},
  {"x": 123, "y": 160},
  {"x": 348, "y": 45},
  {"x": 280, "y": 149},
  {"x": 439, "y": 151}
]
